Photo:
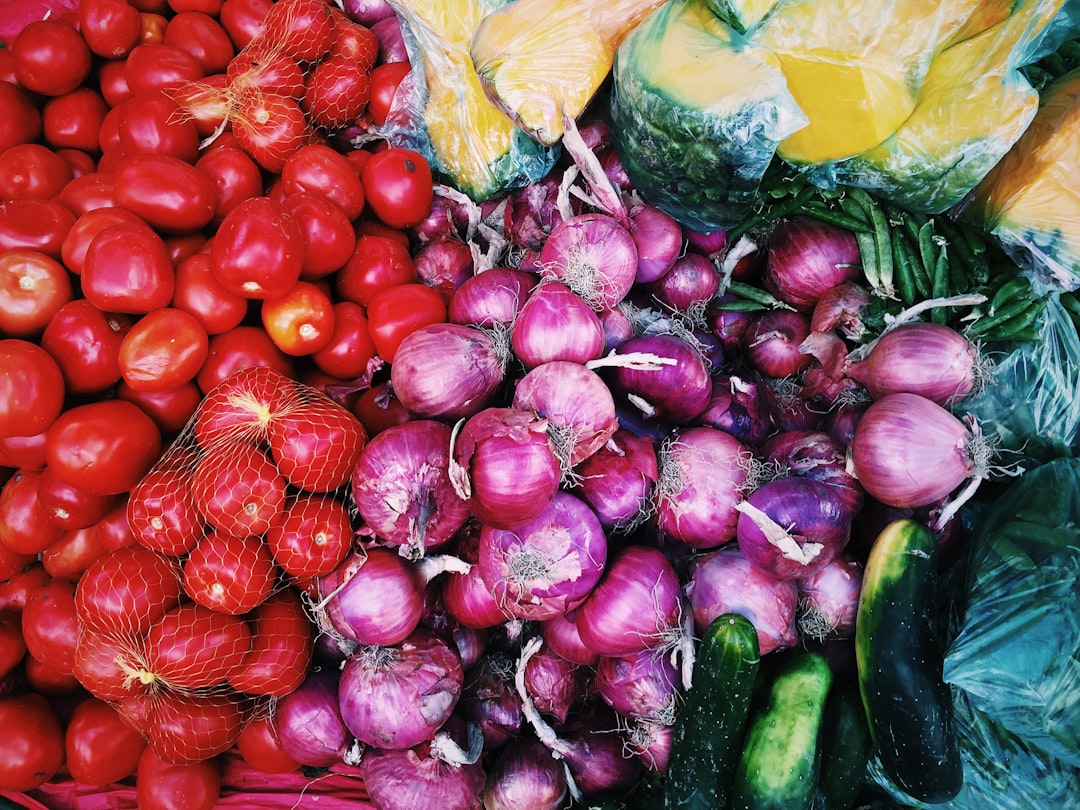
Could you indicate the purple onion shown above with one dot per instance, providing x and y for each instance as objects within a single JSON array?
[
  {"x": 618, "y": 328},
  {"x": 466, "y": 596},
  {"x": 709, "y": 243},
  {"x": 392, "y": 46},
  {"x": 772, "y": 341},
  {"x": 594, "y": 255},
  {"x": 560, "y": 632},
  {"x": 659, "y": 240},
  {"x": 555, "y": 323},
  {"x": 690, "y": 283},
  {"x": 491, "y": 298},
  {"x": 642, "y": 685},
  {"x": 737, "y": 407},
  {"x": 617, "y": 480},
  {"x": 374, "y": 597},
  {"x": 841, "y": 310},
  {"x": 815, "y": 454},
  {"x": 554, "y": 684},
  {"x": 368, "y": 12},
  {"x": 728, "y": 326},
  {"x": 309, "y": 724},
  {"x": 829, "y": 600},
  {"x": 595, "y": 752},
  {"x": 673, "y": 392},
  {"x": 525, "y": 776},
  {"x": 807, "y": 257},
  {"x": 650, "y": 742},
  {"x": 532, "y": 211},
  {"x": 444, "y": 264},
  {"x": 489, "y": 699}
]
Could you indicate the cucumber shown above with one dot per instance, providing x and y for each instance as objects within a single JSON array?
[
  {"x": 846, "y": 749},
  {"x": 899, "y": 661},
  {"x": 709, "y": 725},
  {"x": 781, "y": 754}
]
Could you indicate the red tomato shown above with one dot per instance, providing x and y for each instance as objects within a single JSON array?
[
  {"x": 32, "y": 171},
  {"x": 12, "y": 645},
  {"x": 385, "y": 80},
  {"x": 258, "y": 250},
  {"x": 269, "y": 127},
  {"x": 266, "y": 72},
  {"x": 72, "y": 121},
  {"x": 172, "y": 195},
  {"x": 20, "y": 118},
  {"x": 353, "y": 40},
  {"x": 31, "y": 388},
  {"x": 160, "y": 785},
  {"x": 235, "y": 175},
  {"x": 50, "y": 624},
  {"x": 162, "y": 514},
  {"x": 281, "y": 647},
  {"x": 103, "y": 447},
  {"x": 312, "y": 537},
  {"x": 33, "y": 287},
  {"x": 32, "y": 746},
  {"x": 398, "y": 311},
  {"x": 154, "y": 124},
  {"x": 127, "y": 590},
  {"x": 70, "y": 556},
  {"x": 211, "y": 7},
  {"x": 182, "y": 246},
  {"x": 154, "y": 67},
  {"x": 163, "y": 350},
  {"x": 329, "y": 239},
  {"x": 243, "y": 19},
  {"x": 377, "y": 263},
  {"x": 337, "y": 92},
  {"x": 35, "y": 224},
  {"x": 186, "y": 729},
  {"x": 229, "y": 574},
  {"x": 205, "y": 102},
  {"x": 239, "y": 408},
  {"x": 14, "y": 592},
  {"x": 304, "y": 29},
  {"x": 171, "y": 409},
  {"x": 104, "y": 663},
  {"x": 111, "y": 28},
  {"x": 86, "y": 227},
  {"x": 100, "y": 747},
  {"x": 51, "y": 57},
  {"x": 202, "y": 36},
  {"x": 25, "y": 526},
  {"x": 316, "y": 444},
  {"x": 89, "y": 192},
  {"x": 238, "y": 489},
  {"x": 200, "y": 294},
  {"x": 301, "y": 321},
  {"x": 56, "y": 684},
  {"x": 80, "y": 161},
  {"x": 398, "y": 186},
  {"x": 193, "y": 647},
  {"x": 86, "y": 345},
  {"x": 23, "y": 452},
  {"x": 350, "y": 349},
  {"x": 241, "y": 348},
  {"x": 112, "y": 81},
  {"x": 12, "y": 563},
  {"x": 261, "y": 749},
  {"x": 113, "y": 530},
  {"x": 127, "y": 269},
  {"x": 70, "y": 507},
  {"x": 319, "y": 169}
]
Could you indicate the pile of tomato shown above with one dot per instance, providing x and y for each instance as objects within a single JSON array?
[{"x": 178, "y": 202}]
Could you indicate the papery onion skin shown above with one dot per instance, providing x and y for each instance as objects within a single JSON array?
[
  {"x": 640, "y": 685},
  {"x": 829, "y": 600},
  {"x": 817, "y": 455},
  {"x": 377, "y": 597},
  {"x": 525, "y": 776},
  {"x": 411, "y": 778},
  {"x": 805, "y": 257},
  {"x": 309, "y": 724},
  {"x": 724, "y": 581},
  {"x": 594, "y": 255},
  {"x": 554, "y": 684},
  {"x": 398, "y": 697},
  {"x": 489, "y": 699},
  {"x": 672, "y": 394},
  {"x": 691, "y": 282},
  {"x": 444, "y": 264},
  {"x": 597, "y": 757},
  {"x": 617, "y": 480},
  {"x": 908, "y": 451},
  {"x": 556, "y": 324},
  {"x": 492, "y": 297},
  {"x": 736, "y": 407},
  {"x": 650, "y": 742}
]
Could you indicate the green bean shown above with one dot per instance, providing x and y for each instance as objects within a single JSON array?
[{"x": 1023, "y": 322}]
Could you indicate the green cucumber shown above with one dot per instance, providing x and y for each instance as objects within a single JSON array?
[
  {"x": 899, "y": 660},
  {"x": 846, "y": 749},
  {"x": 781, "y": 750},
  {"x": 710, "y": 722}
]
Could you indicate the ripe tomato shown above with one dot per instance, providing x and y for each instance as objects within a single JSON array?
[
  {"x": 51, "y": 57},
  {"x": 243, "y": 404},
  {"x": 33, "y": 287},
  {"x": 329, "y": 239},
  {"x": 162, "y": 514},
  {"x": 304, "y": 29},
  {"x": 258, "y": 250},
  {"x": 377, "y": 409},
  {"x": 316, "y": 444},
  {"x": 398, "y": 186},
  {"x": 261, "y": 749},
  {"x": 111, "y": 28},
  {"x": 385, "y": 80},
  {"x": 127, "y": 590},
  {"x": 100, "y": 747},
  {"x": 154, "y": 67},
  {"x": 238, "y": 489},
  {"x": 337, "y": 92},
  {"x": 85, "y": 343},
  {"x": 127, "y": 269},
  {"x": 25, "y": 525},
  {"x": 281, "y": 647},
  {"x": 89, "y": 192},
  {"x": 243, "y": 19},
  {"x": 319, "y": 169},
  {"x": 50, "y": 624},
  {"x": 36, "y": 224},
  {"x": 350, "y": 349},
  {"x": 238, "y": 349},
  {"x": 399, "y": 311},
  {"x": 23, "y": 452},
  {"x": 269, "y": 126},
  {"x": 235, "y": 175},
  {"x": 266, "y": 72},
  {"x": 70, "y": 507},
  {"x": 72, "y": 121},
  {"x": 104, "y": 663},
  {"x": 205, "y": 102},
  {"x": 229, "y": 574},
  {"x": 31, "y": 388},
  {"x": 354, "y": 40},
  {"x": 201, "y": 35},
  {"x": 32, "y": 746},
  {"x": 155, "y": 124},
  {"x": 86, "y": 227},
  {"x": 103, "y": 447},
  {"x": 70, "y": 556},
  {"x": 163, "y": 350},
  {"x": 171, "y": 409},
  {"x": 312, "y": 537},
  {"x": 160, "y": 785},
  {"x": 20, "y": 118},
  {"x": 56, "y": 684},
  {"x": 170, "y": 194},
  {"x": 32, "y": 171},
  {"x": 12, "y": 645},
  {"x": 113, "y": 530},
  {"x": 301, "y": 321},
  {"x": 377, "y": 263},
  {"x": 200, "y": 294},
  {"x": 193, "y": 647},
  {"x": 11, "y": 564},
  {"x": 112, "y": 81}
]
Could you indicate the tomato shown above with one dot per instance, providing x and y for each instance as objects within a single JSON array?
[
  {"x": 304, "y": 29},
  {"x": 189, "y": 728},
  {"x": 329, "y": 239},
  {"x": 316, "y": 444},
  {"x": 15, "y": 591},
  {"x": 25, "y": 525},
  {"x": 35, "y": 224},
  {"x": 199, "y": 294},
  {"x": 12, "y": 645},
  {"x": 127, "y": 269},
  {"x": 172, "y": 195},
  {"x": 210, "y": 7},
  {"x": 238, "y": 489},
  {"x": 31, "y": 388},
  {"x": 354, "y": 40},
  {"x": 235, "y": 175},
  {"x": 229, "y": 574},
  {"x": 12, "y": 563},
  {"x": 171, "y": 409},
  {"x": 265, "y": 72},
  {"x": 160, "y": 785},
  {"x": 32, "y": 746},
  {"x": 398, "y": 311},
  {"x": 20, "y": 118},
  {"x": 85, "y": 343},
  {"x": 385, "y": 80},
  {"x": 258, "y": 250},
  {"x": 104, "y": 663},
  {"x": 205, "y": 103},
  {"x": 72, "y": 121},
  {"x": 193, "y": 647},
  {"x": 241, "y": 348},
  {"x": 33, "y": 287},
  {"x": 312, "y": 537},
  {"x": 103, "y": 447},
  {"x": 50, "y": 624},
  {"x": 75, "y": 551},
  {"x": 127, "y": 590},
  {"x": 70, "y": 507},
  {"x": 377, "y": 263},
  {"x": 181, "y": 246},
  {"x": 301, "y": 321},
  {"x": 243, "y": 19},
  {"x": 319, "y": 169},
  {"x": 241, "y": 406},
  {"x": 32, "y": 171},
  {"x": 111, "y": 28},
  {"x": 261, "y": 749},
  {"x": 100, "y": 747},
  {"x": 398, "y": 186},
  {"x": 269, "y": 126},
  {"x": 89, "y": 192},
  {"x": 23, "y": 452},
  {"x": 112, "y": 81},
  {"x": 162, "y": 514},
  {"x": 113, "y": 530},
  {"x": 337, "y": 92},
  {"x": 86, "y": 227},
  {"x": 154, "y": 67},
  {"x": 51, "y": 58},
  {"x": 154, "y": 124},
  {"x": 202, "y": 36},
  {"x": 350, "y": 349},
  {"x": 163, "y": 350},
  {"x": 281, "y": 647},
  {"x": 80, "y": 161}
]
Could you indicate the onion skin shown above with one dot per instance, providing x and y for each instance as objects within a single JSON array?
[
  {"x": 554, "y": 684},
  {"x": 672, "y": 394},
  {"x": 376, "y": 597},
  {"x": 736, "y": 407},
  {"x": 594, "y": 255},
  {"x": 412, "y": 778},
  {"x": 641, "y": 685},
  {"x": 556, "y": 324},
  {"x": 465, "y": 596},
  {"x": 493, "y": 297},
  {"x": 908, "y": 451},
  {"x": 525, "y": 776},
  {"x": 659, "y": 240},
  {"x": 309, "y": 724},
  {"x": 561, "y": 635},
  {"x": 617, "y": 480},
  {"x": 816, "y": 455},
  {"x": 829, "y": 600},
  {"x": 489, "y": 699},
  {"x": 806, "y": 257},
  {"x": 691, "y": 282},
  {"x": 772, "y": 341}
]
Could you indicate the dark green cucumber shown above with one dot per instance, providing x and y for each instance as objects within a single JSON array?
[
  {"x": 846, "y": 749},
  {"x": 709, "y": 725},
  {"x": 781, "y": 757},
  {"x": 899, "y": 660}
]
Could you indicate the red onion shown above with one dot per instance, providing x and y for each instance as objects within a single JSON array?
[
  {"x": 929, "y": 359},
  {"x": 703, "y": 472},
  {"x": 554, "y": 684},
  {"x": 397, "y": 697},
  {"x": 309, "y": 724},
  {"x": 448, "y": 370},
  {"x": 636, "y": 605},
  {"x": 728, "y": 325},
  {"x": 444, "y": 264},
  {"x": 448, "y": 217},
  {"x": 578, "y": 407},
  {"x": 491, "y": 298},
  {"x": 594, "y": 255},
  {"x": 651, "y": 743},
  {"x": 391, "y": 42},
  {"x": 829, "y": 599},
  {"x": 709, "y": 243},
  {"x": 792, "y": 527},
  {"x": 724, "y": 581},
  {"x": 524, "y": 776},
  {"x": 642, "y": 685},
  {"x": 673, "y": 393},
  {"x": 842, "y": 420},
  {"x": 560, "y": 632},
  {"x": 465, "y": 595},
  {"x": 841, "y": 309},
  {"x": 737, "y": 408},
  {"x": 402, "y": 488},
  {"x": 547, "y": 566},
  {"x": 555, "y": 323},
  {"x": 617, "y": 480},
  {"x": 490, "y": 701},
  {"x": 504, "y": 463},
  {"x": 814, "y": 454},
  {"x": 618, "y": 328},
  {"x": 788, "y": 408},
  {"x": 367, "y": 12},
  {"x": 691, "y": 283},
  {"x": 532, "y": 211},
  {"x": 771, "y": 343},
  {"x": 595, "y": 752},
  {"x": 659, "y": 240},
  {"x": 806, "y": 257}
]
